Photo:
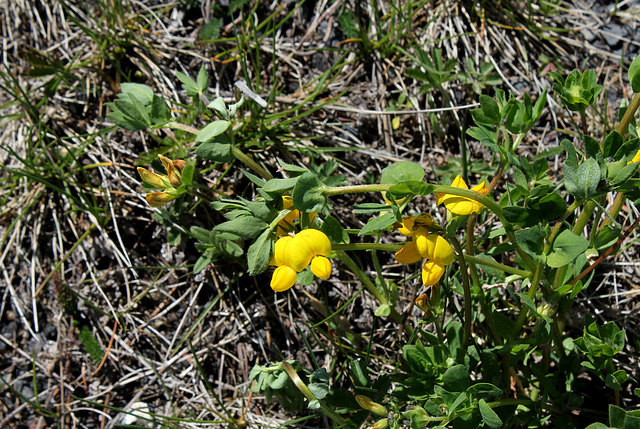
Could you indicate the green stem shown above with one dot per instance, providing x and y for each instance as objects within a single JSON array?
[
  {"x": 304, "y": 389},
  {"x": 371, "y": 287},
  {"x": 249, "y": 162},
  {"x": 623, "y": 126},
  {"x": 237, "y": 153},
  {"x": 535, "y": 281},
  {"x": 498, "y": 266},
  {"x": 467, "y": 292},
  {"x": 367, "y": 246},
  {"x": 578, "y": 227}
]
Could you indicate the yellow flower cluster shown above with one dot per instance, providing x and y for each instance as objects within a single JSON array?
[
  {"x": 461, "y": 205},
  {"x": 294, "y": 254},
  {"x": 170, "y": 182},
  {"x": 436, "y": 251}
]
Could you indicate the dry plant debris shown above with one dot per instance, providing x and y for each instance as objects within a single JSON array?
[{"x": 102, "y": 320}]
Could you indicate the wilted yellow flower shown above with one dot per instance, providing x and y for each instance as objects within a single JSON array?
[
  {"x": 294, "y": 254},
  {"x": 461, "y": 205}
]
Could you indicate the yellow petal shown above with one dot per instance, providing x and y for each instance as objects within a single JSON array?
[
  {"x": 298, "y": 254},
  {"x": 317, "y": 240},
  {"x": 283, "y": 278},
  {"x": 482, "y": 188},
  {"x": 462, "y": 206},
  {"x": 434, "y": 247},
  {"x": 408, "y": 254},
  {"x": 636, "y": 158},
  {"x": 431, "y": 273},
  {"x": 421, "y": 241},
  {"x": 459, "y": 182},
  {"x": 279, "y": 251},
  {"x": 407, "y": 225},
  {"x": 321, "y": 267}
]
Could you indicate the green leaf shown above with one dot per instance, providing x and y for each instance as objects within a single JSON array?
[
  {"x": 377, "y": 224},
  {"x": 203, "y": 262},
  {"x": 383, "y": 310},
  {"x": 202, "y": 80},
  {"x": 612, "y": 143},
  {"x": 566, "y": 248},
  {"x": 334, "y": 231},
  {"x": 212, "y": 130},
  {"x": 549, "y": 207},
  {"x": 490, "y": 108},
  {"x": 201, "y": 234},
  {"x": 243, "y": 226},
  {"x": 160, "y": 111},
  {"x": 532, "y": 241},
  {"x": 489, "y": 416},
  {"x": 136, "y": 93},
  {"x": 520, "y": 216},
  {"x": 582, "y": 182},
  {"x": 634, "y": 74},
  {"x": 308, "y": 194},
  {"x": 404, "y": 189},
  {"x": 606, "y": 237},
  {"x": 277, "y": 185},
  {"x": 359, "y": 373},
  {"x": 187, "y": 175},
  {"x": 456, "y": 378},
  {"x": 189, "y": 84},
  {"x": 220, "y": 107},
  {"x": 259, "y": 253},
  {"x": 484, "y": 390},
  {"x": 217, "y": 150},
  {"x": 402, "y": 171}
]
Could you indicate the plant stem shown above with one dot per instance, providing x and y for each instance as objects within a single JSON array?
[
  {"x": 622, "y": 128},
  {"x": 607, "y": 253},
  {"x": 498, "y": 266},
  {"x": 466, "y": 336},
  {"x": 371, "y": 287},
  {"x": 237, "y": 153},
  {"x": 304, "y": 389},
  {"x": 249, "y": 162},
  {"x": 533, "y": 288}
]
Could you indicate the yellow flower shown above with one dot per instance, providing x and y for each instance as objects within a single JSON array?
[
  {"x": 436, "y": 251},
  {"x": 461, "y": 205},
  {"x": 636, "y": 158},
  {"x": 294, "y": 254}
]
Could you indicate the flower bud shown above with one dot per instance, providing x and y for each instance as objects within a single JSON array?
[
  {"x": 158, "y": 199},
  {"x": 153, "y": 179},
  {"x": 380, "y": 424},
  {"x": 366, "y": 403}
]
